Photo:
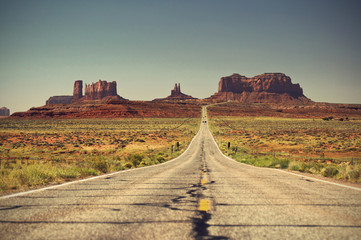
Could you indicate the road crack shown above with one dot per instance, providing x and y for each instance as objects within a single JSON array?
[{"x": 203, "y": 215}]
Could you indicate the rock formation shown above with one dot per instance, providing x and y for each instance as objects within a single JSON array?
[
  {"x": 78, "y": 90},
  {"x": 267, "y": 87},
  {"x": 176, "y": 90},
  {"x": 176, "y": 95},
  {"x": 4, "y": 111},
  {"x": 59, "y": 100},
  {"x": 100, "y": 90}
]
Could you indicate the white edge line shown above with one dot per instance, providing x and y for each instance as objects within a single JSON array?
[
  {"x": 282, "y": 171},
  {"x": 100, "y": 176}
]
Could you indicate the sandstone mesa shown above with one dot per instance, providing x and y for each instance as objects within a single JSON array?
[
  {"x": 267, "y": 87},
  {"x": 4, "y": 112}
]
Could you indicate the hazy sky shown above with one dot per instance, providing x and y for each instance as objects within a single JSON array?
[{"x": 147, "y": 46}]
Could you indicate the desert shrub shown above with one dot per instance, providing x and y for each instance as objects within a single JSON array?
[
  {"x": 354, "y": 174},
  {"x": 3, "y": 185},
  {"x": 119, "y": 167},
  {"x": 128, "y": 165},
  {"x": 135, "y": 159},
  {"x": 280, "y": 163},
  {"x": 295, "y": 167},
  {"x": 312, "y": 167},
  {"x": 88, "y": 172},
  {"x": 329, "y": 171},
  {"x": 68, "y": 172},
  {"x": 99, "y": 163},
  {"x": 306, "y": 167},
  {"x": 147, "y": 162},
  {"x": 161, "y": 159}
]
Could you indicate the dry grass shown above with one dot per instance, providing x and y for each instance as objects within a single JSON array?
[
  {"x": 329, "y": 148},
  {"x": 38, "y": 152}
]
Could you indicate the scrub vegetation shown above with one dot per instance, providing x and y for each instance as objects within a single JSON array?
[
  {"x": 39, "y": 152},
  {"x": 329, "y": 148}
]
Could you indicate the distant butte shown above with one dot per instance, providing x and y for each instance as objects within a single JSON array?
[
  {"x": 4, "y": 111},
  {"x": 176, "y": 95},
  {"x": 264, "y": 88},
  {"x": 101, "y": 90}
]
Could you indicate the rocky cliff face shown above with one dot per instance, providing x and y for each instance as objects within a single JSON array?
[
  {"x": 4, "y": 111},
  {"x": 267, "y": 82},
  {"x": 267, "y": 87},
  {"x": 176, "y": 95},
  {"x": 78, "y": 90},
  {"x": 100, "y": 89}
]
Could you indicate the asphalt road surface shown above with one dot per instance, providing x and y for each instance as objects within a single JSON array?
[{"x": 200, "y": 195}]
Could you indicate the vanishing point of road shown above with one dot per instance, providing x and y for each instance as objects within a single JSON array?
[{"x": 200, "y": 195}]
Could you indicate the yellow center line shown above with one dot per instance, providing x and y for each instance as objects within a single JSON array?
[
  {"x": 204, "y": 205},
  {"x": 203, "y": 181}
]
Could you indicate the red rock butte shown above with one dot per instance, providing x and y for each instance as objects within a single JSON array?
[
  {"x": 267, "y": 87},
  {"x": 176, "y": 95},
  {"x": 101, "y": 90},
  {"x": 4, "y": 111}
]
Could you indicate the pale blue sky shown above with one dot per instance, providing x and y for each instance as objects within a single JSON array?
[{"x": 147, "y": 46}]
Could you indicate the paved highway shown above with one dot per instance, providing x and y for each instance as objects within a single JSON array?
[{"x": 200, "y": 195}]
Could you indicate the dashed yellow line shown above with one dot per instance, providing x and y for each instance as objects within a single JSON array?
[
  {"x": 204, "y": 205},
  {"x": 203, "y": 181}
]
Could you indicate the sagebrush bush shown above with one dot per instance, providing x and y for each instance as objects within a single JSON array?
[
  {"x": 99, "y": 163},
  {"x": 354, "y": 173},
  {"x": 329, "y": 172},
  {"x": 135, "y": 159}
]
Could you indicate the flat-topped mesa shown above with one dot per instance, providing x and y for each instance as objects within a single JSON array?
[
  {"x": 4, "y": 111},
  {"x": 267, "y": 82},
  {"x": 100, "y": 90},
  {"x": 176, "y": 95},
  {"x": 59, "y": 100},
  {"x": 267, "y": 87}
]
